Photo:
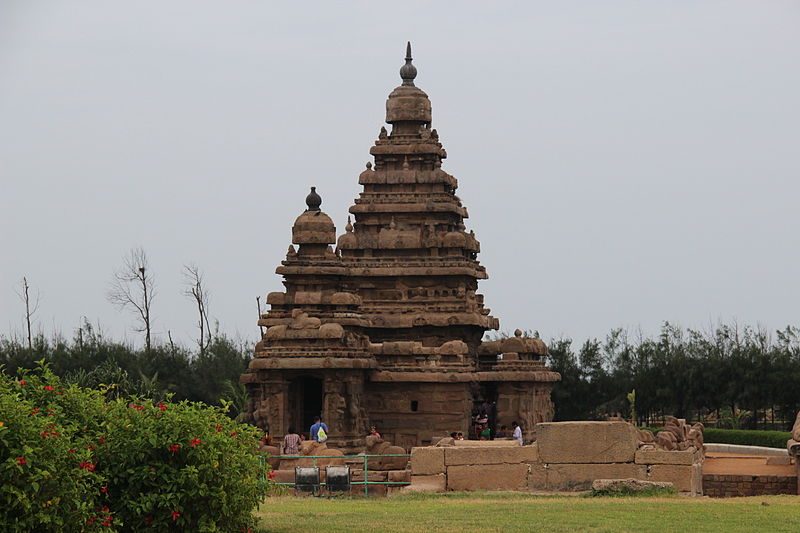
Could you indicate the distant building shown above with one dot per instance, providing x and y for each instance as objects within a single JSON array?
[{"x": 386, "y": 329}]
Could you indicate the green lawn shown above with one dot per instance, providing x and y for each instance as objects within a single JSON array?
[{"x": 504, "y": 512}]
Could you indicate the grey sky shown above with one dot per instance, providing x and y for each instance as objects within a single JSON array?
[{"x": 623, "y": 163}]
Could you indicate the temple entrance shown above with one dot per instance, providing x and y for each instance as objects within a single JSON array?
[
  {"x": 484, "y": 409},
  {"x": 305, "y": 402}
]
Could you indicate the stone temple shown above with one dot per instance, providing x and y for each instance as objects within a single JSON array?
[{"x": 387, "y": 327}]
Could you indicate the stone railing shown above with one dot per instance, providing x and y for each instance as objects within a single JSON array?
[{"x": 567, "y": 456}]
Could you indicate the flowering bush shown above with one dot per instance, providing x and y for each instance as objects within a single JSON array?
[
  {"x": 43, "y": 486},
  {"x": 121, "y": 465}
]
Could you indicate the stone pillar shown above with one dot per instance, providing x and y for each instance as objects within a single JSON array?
[
  {"x": 343, "y": 409},
  {"x": 268, "y": 407}
]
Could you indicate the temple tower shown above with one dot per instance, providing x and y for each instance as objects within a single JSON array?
[{"x": 400, "y": 291}]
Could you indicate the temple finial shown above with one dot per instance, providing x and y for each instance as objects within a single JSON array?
[
  {"x": 408, "y": 71},
  {"x": 313, "y": 200}
]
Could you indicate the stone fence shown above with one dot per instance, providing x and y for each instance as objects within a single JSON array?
[{"x": 567, "y": 456}]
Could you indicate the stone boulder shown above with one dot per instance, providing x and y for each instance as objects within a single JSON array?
[
  {"x": 272, "y": 453},
  {"x": 628, "y": 485}
]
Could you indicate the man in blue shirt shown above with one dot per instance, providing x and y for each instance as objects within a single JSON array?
[{"x": 313, "y": 433}]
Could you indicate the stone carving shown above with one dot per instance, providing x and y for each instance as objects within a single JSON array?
[
  {"x": 378, "y": 446},
  {"x": 301, "y": 320}
]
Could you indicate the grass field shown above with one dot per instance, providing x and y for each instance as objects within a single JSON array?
[{"x": 496, "y": 512}]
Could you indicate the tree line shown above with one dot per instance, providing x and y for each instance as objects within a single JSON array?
[
  {"x": 207, "y": 372},
  {"x": 737, "y": 377}
]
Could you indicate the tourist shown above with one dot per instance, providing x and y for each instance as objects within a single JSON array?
[
  {"x": 503, "y": 433},
  {"x": 460, "y": 436},
  {"x": 517, "y": 435},
  {"x": 373, "y": 432},
  {"x": 454, "y": 435},
  {"x": 291, "y": 442},
  {"x": 317, "y": 427},
  {"x": 486, "y": 433}
]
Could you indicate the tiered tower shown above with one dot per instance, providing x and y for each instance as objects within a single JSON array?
[{"x": 398, "y": 304}]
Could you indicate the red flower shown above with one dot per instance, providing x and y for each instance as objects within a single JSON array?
[
  {"x": 233, "y": 434},
  {"x": 194, "y": 442},
  {"x": 219, "y": 428},
  {"x": 175, "y": 515},
  {"x": 48, "y": 387},
  {"x": 35, "y": 411},
  {"x": 71, "y": 450},
  {"x": 91, "y": 520},
  {"x": 138, "y": 407},
  {"x": 22, "y": 382},
  {"x": 86, "y": 465},
  {"x": 162, "y": 406},
  {"x": 148, "y": 520},
  {"x": 102, "y": 440},
  {"x": 104, "y": 488},
  {"x": 105, "y": 509},
  {"x": 90, "y": 448},
  {"x": 271, "y": 474},
  {"x": 108, "y": 520},
  {"x": 21, "y": 461},
  {"x": 174, "y": 447}
]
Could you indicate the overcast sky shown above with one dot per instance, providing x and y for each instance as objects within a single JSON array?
[{"x": 623, "y": 163}]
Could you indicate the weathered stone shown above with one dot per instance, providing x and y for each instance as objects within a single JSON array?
[
  {"x": 400, "y": 476},
  {"x": 283, "y": 476},
  {"x": 587, "y": 442},
  {"x": 486, "y": 443},
  {"x": 427, "y": 460},
  {"x": 433, "y": 483},
  {"x": 683, "y": 477},
  {"x": 537, "y": 477},
  {"x": 488, "y": 456},
  {"x": 388, "y": 324},
  {"x": 571, "y": 477},
  {"x": 633, "y": 485},
  {"x": 659, "y": 457},
  {"x": 487, "y": 477}
]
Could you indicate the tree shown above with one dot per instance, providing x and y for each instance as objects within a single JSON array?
[
  {"x": 30, "y": 308},
  {"x": 133, "y": 288},
  {"x": 198, "y": 293}
]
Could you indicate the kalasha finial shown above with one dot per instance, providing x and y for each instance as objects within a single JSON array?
[
  {"x": 313, "y": 200},
  {"x": 408, "y": 71}
]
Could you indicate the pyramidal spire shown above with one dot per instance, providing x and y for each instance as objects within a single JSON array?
[{"x": 408, "y": 71}]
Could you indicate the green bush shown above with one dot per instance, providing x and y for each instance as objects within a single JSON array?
[
  {"x": 47, "y": 480},
  {"x": 745, "y": 437},
  {"x": 770, "y": 439},
  {"x": 120, "y": 465}
]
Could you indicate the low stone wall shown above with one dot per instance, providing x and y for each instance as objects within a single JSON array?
[
  {"x": 730, "y": 485},
  {"x": 568, "y": 456}
]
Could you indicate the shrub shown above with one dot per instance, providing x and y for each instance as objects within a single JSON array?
[
  {"x": 46, "y": 483},
  {"x": 118, "y": 465},
  {"x": 770, "y": 439},
  {"x": 745, "y": 437}
]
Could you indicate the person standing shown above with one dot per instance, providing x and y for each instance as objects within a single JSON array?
[
  {"x": 517, "y": 435},
  {"x": 291, "y": 443},
  {"x": 314, "y": 432}
]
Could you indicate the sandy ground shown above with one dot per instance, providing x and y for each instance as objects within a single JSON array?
[{"x": 732, "y": 463}]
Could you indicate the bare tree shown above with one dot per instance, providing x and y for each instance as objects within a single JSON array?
[
  {"x": 197, "y": 292},
  {"x": 133, "y": 288},
  {"x": 258, "y": 303},
  {"x": 30, "y": 307}
]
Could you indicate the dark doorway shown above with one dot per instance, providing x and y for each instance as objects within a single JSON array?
[{"x": 305, "y": 402}]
